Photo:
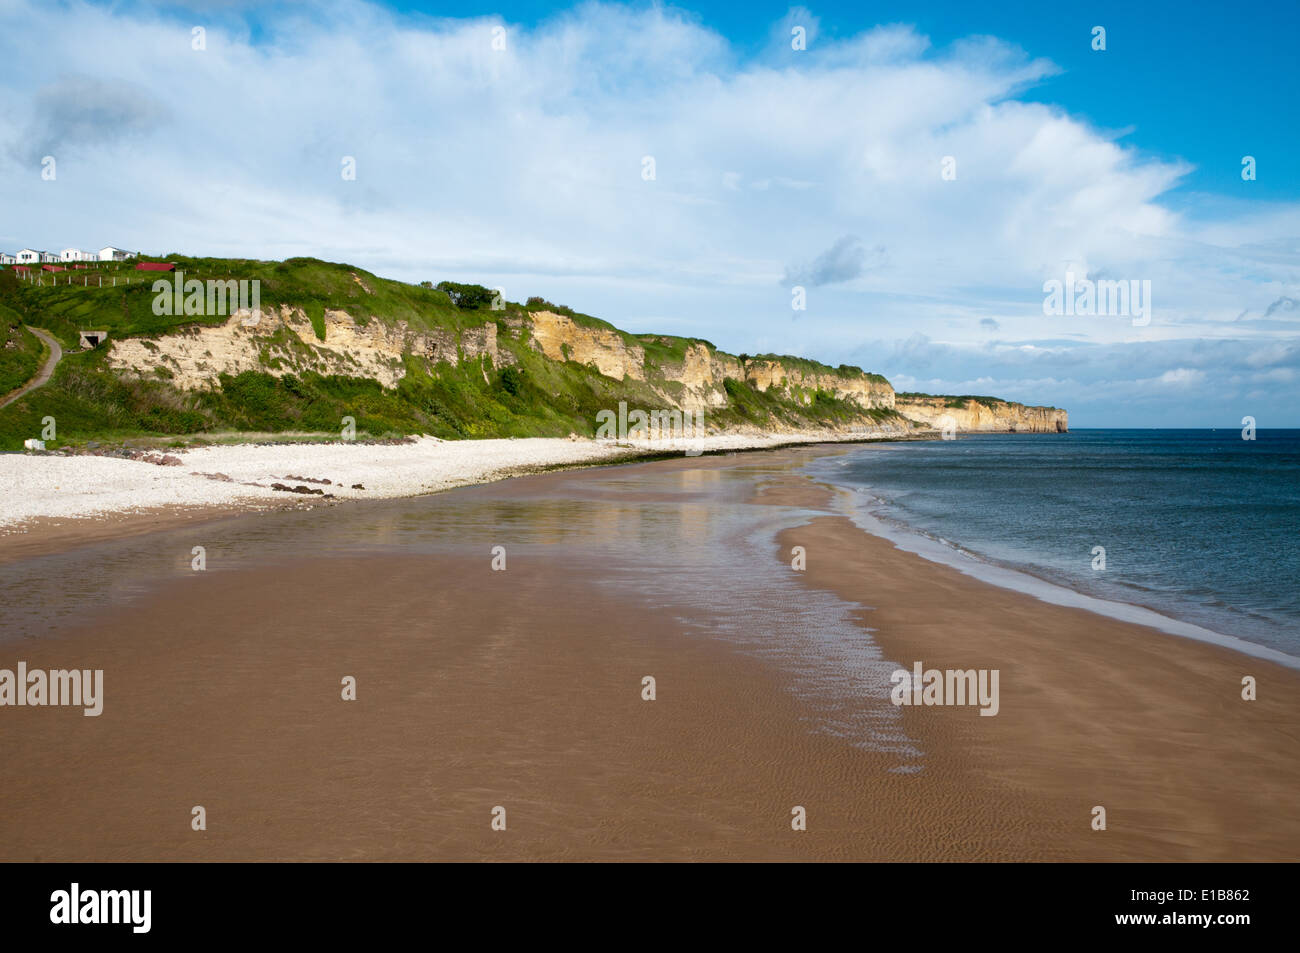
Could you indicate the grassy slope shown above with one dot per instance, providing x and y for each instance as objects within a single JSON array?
[
  {"x": 21, "y": 352},
  {"x": 538, "y": 397}
]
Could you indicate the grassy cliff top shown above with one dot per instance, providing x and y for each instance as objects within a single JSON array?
[
  {"x": 114, "y": 297},
  {"x": 809, "y": 366},
  {"x": 961, "y": 400}
]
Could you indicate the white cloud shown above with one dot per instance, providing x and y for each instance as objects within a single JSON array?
[
  {"x": 1182, "y": 376},
  {"x": 1283, "y": 375}
]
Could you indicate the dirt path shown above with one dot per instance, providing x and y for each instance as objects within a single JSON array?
[{"x": 56, "y": 354}]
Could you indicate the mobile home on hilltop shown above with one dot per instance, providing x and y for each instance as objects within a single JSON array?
[{"x": 34, "y": 256}]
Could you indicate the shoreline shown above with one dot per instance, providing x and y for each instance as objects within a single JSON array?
[
  {"x": 41, "y": 490},
  {"x": 1094, "y": 711},
  {"x": 44, "y": 534},
  {"x": 1043, "y": 587}
]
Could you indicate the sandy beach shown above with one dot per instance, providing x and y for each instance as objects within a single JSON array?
[{"x": 522, "y": 688}]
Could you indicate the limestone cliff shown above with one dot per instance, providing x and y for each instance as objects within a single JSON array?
[
  {"x": 700, "y": 369},
  {"x": 804, "y": 379},
  {"x": 560, "y": 338},
  {"x": 672, "y": 372},
  {"x": 282, "y": 341},
  {"x": 981, "y": 414},
  {"x": 684, "y": 374}
]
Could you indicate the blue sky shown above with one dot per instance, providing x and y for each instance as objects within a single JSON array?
[{"x": 774, "y": 169}]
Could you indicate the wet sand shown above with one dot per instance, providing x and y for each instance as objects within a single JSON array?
[
  {"x": 49, "y": 534},
  {"x": 522, "y": 689}
]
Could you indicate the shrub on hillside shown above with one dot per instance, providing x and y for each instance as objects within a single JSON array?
[
  {"x": 467, "y": 297},
  {"x": 512, "y": 381}
]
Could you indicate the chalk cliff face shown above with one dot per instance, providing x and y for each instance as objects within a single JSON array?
[
  {"x": 701, "y": 372},
  {"x": 689, "y": 375},
  {"x": 281, "y": 341},
  {"x": 702, "y": 369},
  {"x": 562, "y": 339},
  {"x": 972, "y": 415}
]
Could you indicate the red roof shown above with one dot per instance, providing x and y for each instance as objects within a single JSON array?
[
  {"x": 52, "y": 268},
  {"x": 21, "y": 268},
  {"x": 156, "y": 266}
]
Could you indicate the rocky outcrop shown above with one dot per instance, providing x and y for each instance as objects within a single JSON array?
[
  {"x": 971, "y": 415},
  {"x": 282, "y": 341},
  {"x": 700, "y": 373},
  {"x": 469, "y": 345},
  {"x": 561, "y": 338}
]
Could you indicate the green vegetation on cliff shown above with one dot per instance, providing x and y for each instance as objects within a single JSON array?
[
  {"x": 21, "y": 352},
  {"x": 523, "y": 393}
]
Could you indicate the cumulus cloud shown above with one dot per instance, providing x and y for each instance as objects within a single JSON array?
[{"x": 465, "y": 150}]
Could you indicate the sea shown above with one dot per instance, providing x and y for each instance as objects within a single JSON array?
[{"x": 1198, "y": 527}]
